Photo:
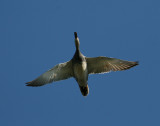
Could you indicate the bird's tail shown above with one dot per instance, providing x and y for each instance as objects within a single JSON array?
[{"x": 84, "y": 90}]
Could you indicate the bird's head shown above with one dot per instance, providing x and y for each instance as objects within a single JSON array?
[{"x": 76, "y": 40}]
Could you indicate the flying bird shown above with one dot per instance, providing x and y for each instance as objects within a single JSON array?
[{"x": 79, "y": 67}]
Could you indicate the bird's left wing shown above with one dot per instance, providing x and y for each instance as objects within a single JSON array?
[
  {"x": 59, "y": 72},
  {"x": 105, "y": 64}
]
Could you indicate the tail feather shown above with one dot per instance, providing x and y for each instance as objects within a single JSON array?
[{"x": 84, "y": 90}]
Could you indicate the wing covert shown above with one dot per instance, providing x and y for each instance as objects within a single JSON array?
[
  {"x": 59, "y": 72},
  {"x": 105, "y": 64}
]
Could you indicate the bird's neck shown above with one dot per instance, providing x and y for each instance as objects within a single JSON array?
[
  {"x": 77, "y": 49},
  {"x": 77, "y": 43},
  {"x": 77, "y": 55},
  {"x": 77, "y": 52}
]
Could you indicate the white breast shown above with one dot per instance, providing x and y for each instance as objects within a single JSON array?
[{"x": 80, "y": 72}]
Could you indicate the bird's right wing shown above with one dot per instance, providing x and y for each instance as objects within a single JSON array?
[
  {"x": 59, "y": 72},
  {"x": 106, "y": 64}
]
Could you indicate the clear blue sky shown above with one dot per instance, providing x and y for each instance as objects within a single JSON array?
[{"x": 35, "y": 35}]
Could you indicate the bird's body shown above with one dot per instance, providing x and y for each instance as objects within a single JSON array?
[
  {"x": 80, "y": 67},
  {"x": 80, "y": 72}
]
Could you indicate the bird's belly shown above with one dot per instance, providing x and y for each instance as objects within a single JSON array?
[{"x": 80, "y": 73}]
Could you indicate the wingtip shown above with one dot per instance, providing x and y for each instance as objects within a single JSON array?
[
  {"x": 32, "y": 84},
  {"x": 136, "y": 63},
  {"x": 133, "y": 64},
  {"x": 28, "y": 83}
]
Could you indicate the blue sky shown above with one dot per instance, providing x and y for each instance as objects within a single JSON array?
[{"x": 35, "y": 35}]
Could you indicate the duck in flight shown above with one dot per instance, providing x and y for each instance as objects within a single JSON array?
[{"x": 79, "y": 67}]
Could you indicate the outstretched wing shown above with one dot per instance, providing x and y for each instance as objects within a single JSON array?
[
  {"x": 59, "y": 72},
  {"x": 106, "y": 64}
]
